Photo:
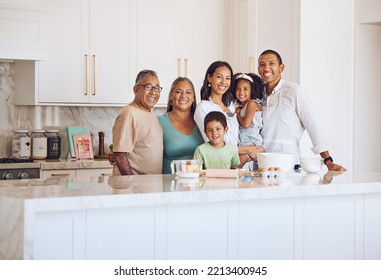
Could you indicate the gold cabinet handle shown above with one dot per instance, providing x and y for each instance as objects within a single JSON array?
[
  {"x": 95, "y": 75},
  {"x": 185, "y": 67},
  {"x": 86, "y": 74},
  {"x": 178, "y": 67},
  {"x": 250, "y": 64},
  {"x": 60, "y": 174}
]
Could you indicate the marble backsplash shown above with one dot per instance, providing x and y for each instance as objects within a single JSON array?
[{"x": 58, "y": 117}]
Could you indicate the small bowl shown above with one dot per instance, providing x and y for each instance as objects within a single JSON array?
[{"x": 311, "y": 165}]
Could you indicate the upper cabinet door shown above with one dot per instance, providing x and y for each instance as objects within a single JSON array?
[
  {"x": 155, "y": 44},
  {"x": 178, "y": 38},
  {"x": 96, "y": 48},
  {"x": 22, "y": 30},
  {"x": 202, "y": 38},
  {"x": 88, "y": 52},
  {"x": 62, "y": 77},
  {"x": 110, "y": 52}
]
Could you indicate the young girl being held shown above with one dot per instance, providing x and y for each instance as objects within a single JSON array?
[{"x": 248, "y": 90}]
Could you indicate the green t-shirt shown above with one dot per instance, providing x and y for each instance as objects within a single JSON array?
[{"x": 217, "y": 158}]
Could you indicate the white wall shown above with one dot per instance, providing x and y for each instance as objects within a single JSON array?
[
  {"x": 367, "y": 113},
  {"x": 326, "y": 70}
]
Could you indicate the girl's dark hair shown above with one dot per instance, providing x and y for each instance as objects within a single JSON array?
[
  {"x": 274, "y": 53},
  {"x": 257, "y": 86},
  {"x": 215, "y": 116},
  {"x": 171, "y": 91},
  {"x": 206, "y": 90}
]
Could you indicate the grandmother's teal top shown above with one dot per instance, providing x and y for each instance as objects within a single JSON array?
[{"x": 176, "y": 144}]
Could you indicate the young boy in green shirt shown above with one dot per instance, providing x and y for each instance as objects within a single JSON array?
[{"x": 216, "y": 154}]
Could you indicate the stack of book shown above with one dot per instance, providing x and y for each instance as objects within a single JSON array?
[{"x": 80, "y": 144}]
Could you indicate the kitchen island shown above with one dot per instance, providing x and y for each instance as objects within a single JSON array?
[{"x": 296, "y": 216}]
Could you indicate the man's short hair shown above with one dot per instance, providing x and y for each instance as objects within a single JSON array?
[
  {"x": 143, "y": 73},
  {"x": 274, "y": 53}
]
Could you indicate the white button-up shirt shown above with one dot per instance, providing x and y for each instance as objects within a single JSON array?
[{"x": 287, "y": 112}]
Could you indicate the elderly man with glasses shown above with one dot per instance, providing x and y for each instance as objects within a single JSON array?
[{"x": 137, "y": 134}]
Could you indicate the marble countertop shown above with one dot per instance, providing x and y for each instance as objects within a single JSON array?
[{"x": 63, "y": 193}]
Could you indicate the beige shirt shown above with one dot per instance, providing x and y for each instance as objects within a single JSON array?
[{"x": 139, "y": 133}]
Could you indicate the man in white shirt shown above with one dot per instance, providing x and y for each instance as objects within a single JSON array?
[{"x": 287, "y": 112}]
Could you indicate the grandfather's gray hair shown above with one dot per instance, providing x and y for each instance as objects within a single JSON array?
[{"x": 145, "y": 73}]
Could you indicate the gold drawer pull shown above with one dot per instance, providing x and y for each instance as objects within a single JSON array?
[
  {"x": 95, "y": 75},
  {"x": 87, "y": 74}
]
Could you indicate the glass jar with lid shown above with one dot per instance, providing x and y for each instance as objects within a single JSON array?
[
  {"x": 53, "y": 144},
  {"x": 39, "y": 144},
  {"x": 21, "y": 144}
]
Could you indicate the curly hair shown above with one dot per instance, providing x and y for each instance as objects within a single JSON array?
[{"x": 257, "y": 85}]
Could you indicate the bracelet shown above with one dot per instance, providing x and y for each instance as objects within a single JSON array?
[{"x": 327, "y": 159}]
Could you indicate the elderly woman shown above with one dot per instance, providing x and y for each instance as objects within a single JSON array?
[{"x": 181, "y": 135}]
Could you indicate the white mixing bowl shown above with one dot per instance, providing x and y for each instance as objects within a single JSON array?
[{"x": 282, "y": 160}]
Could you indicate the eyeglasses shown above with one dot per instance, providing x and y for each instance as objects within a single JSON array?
[{"x": 149, "y": 87}]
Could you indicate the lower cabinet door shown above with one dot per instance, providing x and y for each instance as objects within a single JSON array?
[
  {"x": 201, "y": 231},
  {"x": 329, "y": 227},
  {"x": 59, "y": 235},
  {"x": 267, "y": 229},
  {"x": 372, "y": 226},
  {"x": 123, "y": 233}
]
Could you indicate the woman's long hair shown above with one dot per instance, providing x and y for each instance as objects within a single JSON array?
[{"x": 206, "y": 89}]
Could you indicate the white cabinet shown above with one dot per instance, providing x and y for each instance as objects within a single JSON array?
[
  {"x": 93, "y": 172},
  {"x": 134, "y": 232},
  {"x": 96, "y": 48},
  {"x": 329, "y": 231},
  {"x": 202, "y": 231},
  {"x": 61, "y": 172},
  {"x": 372, "y": 227},
  {"x": 270, "y": 235},
  {"x": 88, "y": 51},
  {"x": 202, "y": 38},
  {"x": 88, "y": 56},
  {"x": 83, "y": 172},
  {"x": 321, "y": 227},
  {"x": 250, "y": 31},
  {"x": 155, "y": 42},
  {"x": 178, "y": 38},
  {"x": 22, "y": 30},
  {"x": 59, "y": 235}
]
